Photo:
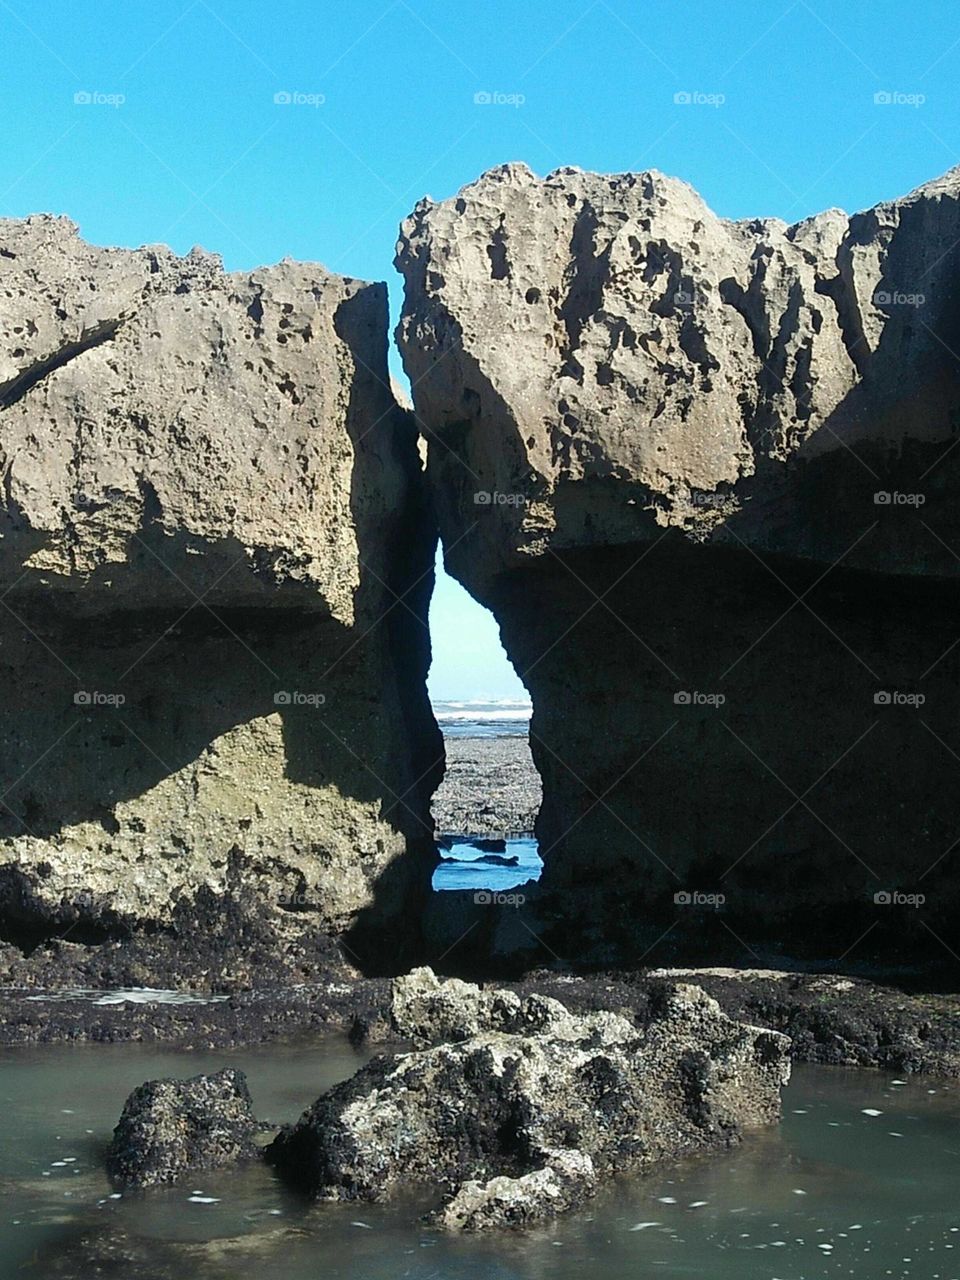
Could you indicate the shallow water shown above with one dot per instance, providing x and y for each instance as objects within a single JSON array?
[
  {"x": 834, "y": 1191},
  {"x": 468, "y": 873}
]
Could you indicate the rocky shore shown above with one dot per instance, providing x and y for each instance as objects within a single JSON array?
[
  {"x": 832, "y": 1019},
  {"x": 491, "y": 787},
  {"x": 683, "y": 460}
]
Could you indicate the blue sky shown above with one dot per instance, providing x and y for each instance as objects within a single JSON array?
[{"x": 384, "y": 111}]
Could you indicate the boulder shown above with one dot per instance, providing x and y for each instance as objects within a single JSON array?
[
  {"x": 514, "y": 1126},
  {"x": 170, "y": 1128},
  {"x": 215, "y": 561},
  {"x": 703, "y": 472}
]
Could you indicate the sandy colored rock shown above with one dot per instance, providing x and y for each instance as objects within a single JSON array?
[
  {"x": 703, "y": 472},
  {"x": 217, "y": 730}
]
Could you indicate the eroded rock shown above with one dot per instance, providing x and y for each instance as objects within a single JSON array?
[
  {"x": 703, "y": 472},
  {"x": 215, "y": 559},
  {"x": 170, "y": 1128},
  {"x": 512, "y": 1125}
]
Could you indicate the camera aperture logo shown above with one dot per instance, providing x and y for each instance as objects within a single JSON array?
[
  {"x": 295, "y": 698},
  {"x": 491, "y": 898},
  {"x": 95, "y": 698}
]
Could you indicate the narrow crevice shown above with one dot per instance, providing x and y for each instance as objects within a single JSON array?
[{"x": 16, "y": 388}]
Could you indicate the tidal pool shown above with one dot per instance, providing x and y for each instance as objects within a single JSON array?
[{"x": 859, "y": 1180}]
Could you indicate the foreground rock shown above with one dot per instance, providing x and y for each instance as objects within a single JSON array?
[
  {"x": 704, "y": 474},
  {"x": 215, "y": 561},
  {"x": 521, "y": 1112},
  {"x": 170, "y": 1128}
]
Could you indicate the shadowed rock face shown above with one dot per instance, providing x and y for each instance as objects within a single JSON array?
[
  {"x": 215, "y": 728},
  {"x": 703, "y": 473}
]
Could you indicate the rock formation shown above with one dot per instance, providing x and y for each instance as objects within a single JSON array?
[
  {"x": 215, "y": 562},
  {"x": 703, "y": 472},
  {"x": 170, "y": 1128},
  {"x": 519, "y": 1114}
]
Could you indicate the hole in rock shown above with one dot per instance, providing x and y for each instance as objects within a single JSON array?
[{"x": 487, "y": 803}]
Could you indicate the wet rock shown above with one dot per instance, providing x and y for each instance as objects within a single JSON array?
[
  {"x": 563, "y": 1184},
  {"x": 502, "y": 1105},
  {"x": 703, "y": 472},
  {"x": 170, "y": 1128}
]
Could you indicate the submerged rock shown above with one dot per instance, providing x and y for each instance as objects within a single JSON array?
[
  {"x": 170, "y": 1128},
  {"x": 703, "y": 472},
  {"x": 516, "y": 1124}
]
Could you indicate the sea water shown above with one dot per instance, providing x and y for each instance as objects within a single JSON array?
[
  {"x": 475, "y": 718},
  {"x": 466, "y": 866},
  {"x": 859, "y": 1180}
]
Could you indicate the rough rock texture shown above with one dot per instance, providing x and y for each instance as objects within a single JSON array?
[
  {"x": 174, "y": 1127},
  {"x": 502, "y": 1105},
  {"x": 562, "y": 1184},
  {"x": 427, "y": 1009},
  {"x": 704, "y": 474},
  {"x": 215, "y": 733}
]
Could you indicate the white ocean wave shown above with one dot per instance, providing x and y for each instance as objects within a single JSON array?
[
  {"x": 487, "y": 716},
  {"x": 130, "y": 995}
]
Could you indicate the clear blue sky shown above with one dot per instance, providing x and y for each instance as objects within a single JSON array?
[{"x": 199, "y": 152}]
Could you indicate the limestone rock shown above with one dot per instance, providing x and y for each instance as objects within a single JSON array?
[
  {"x": 426, "y": 1008},
  {"x": 600, "y": 358},
  {"x": 170, "y": 1128},
  {"x": 543, "y": 1107},
  {"x": 704, "y": 474},
  {"x": 215, "y": 559},
  {"x": 561, "y": 1185}
]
